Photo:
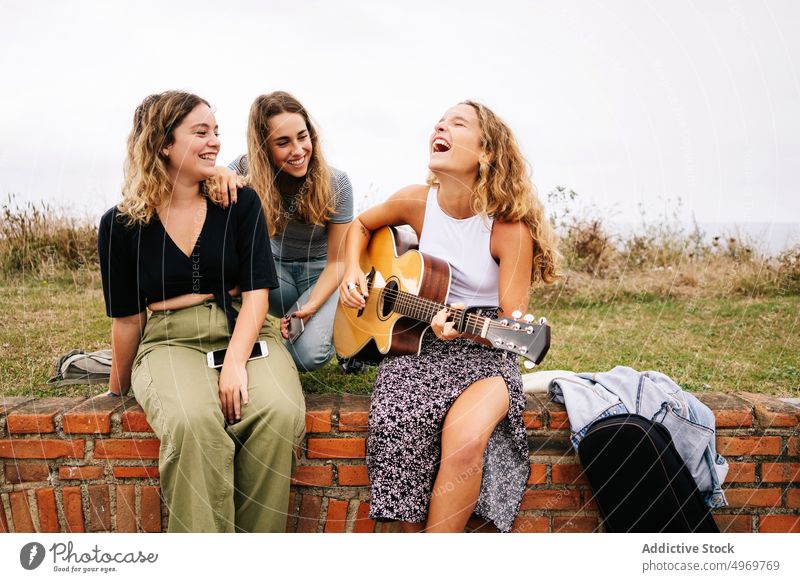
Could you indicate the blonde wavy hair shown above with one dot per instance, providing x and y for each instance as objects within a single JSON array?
[
  {"x": 314, "y": 202},
  {"x": 504, "y": 191},
  {"x": 147, "y": 184}
]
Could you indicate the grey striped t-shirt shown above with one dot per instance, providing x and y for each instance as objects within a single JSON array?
[{"x": 301, "y": 241}]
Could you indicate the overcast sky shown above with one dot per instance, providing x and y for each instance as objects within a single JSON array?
[{"x": 625, "y": 102}]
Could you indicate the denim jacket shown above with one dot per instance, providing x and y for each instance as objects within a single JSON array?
[{"x": 591, "y": 396}]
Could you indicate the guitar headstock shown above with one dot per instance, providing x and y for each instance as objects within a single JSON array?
[{"x": 520, "y": 335}]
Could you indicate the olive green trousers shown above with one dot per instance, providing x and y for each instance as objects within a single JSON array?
[{"x": 217, "y": 477}]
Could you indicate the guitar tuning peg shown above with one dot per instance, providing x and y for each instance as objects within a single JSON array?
[
  {"x": 528, "y": 318},
  {"x": 528, "y": 365},
  {"x": 542, "y": 321},
  {"x": 516, "y": 314}
]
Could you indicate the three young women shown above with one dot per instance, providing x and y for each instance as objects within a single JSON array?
[
  {"x": 204, "y": 270},
  {"x": 446, "y": 435}
]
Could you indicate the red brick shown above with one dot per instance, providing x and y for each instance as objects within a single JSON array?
[
  {"x": 734, "y": 523},
  {"x": 318, "y": 421},
  {"x": 151, "y": 509},
  {"x": 741, "y": 473},
  {"x": 771, "y": 412},
  {"x": 48, "y": 514},
  {"x": 336, "y": 448},
  {"x": 753, "y": 497},
  {"x": 550, "y": 499},
  {"x": 38, "y": 416},
  {"x": 3, "y": 522},
  {"x": 780, "y": 472},
  {"x": 353, "y": 475},
  {"x": 21, "y": 512},
  {"x": 87, "y": 472},
  {"x": 794, "y": 447},
  {"x": 40, "y": 448},
  {"x": 126, "y": 508},
  {"x": 29, "y": 472},
  {"x": 589, "y": 502},
  {"x": 793, "y": 498},
  {"x": 524, "y": 524},
  {"x": 780, "y": 524},
  {"x": 92, "y": 416},
  {"x": 291, "y": 513},
  {"x": 73, "y": 509},
  {"x": 575, "y": 524},
  {"x": 308, "y": 520},
  {"x": 313, "y": 476},
  {"x": 745, "y": 446},
  {"x": 99, "y": 508},
  {"x": 336, "y": 520},
  {"x": 730, "y": 411},
  {"x": 568, "y": 475},
  {"x": 353, "y": 421},
  {"x": 363, "y": 523},
  {"x": 126, "y": 449},
  {"x": 538, "y": 475},
  {"x": 135, "y": 420},
  {"x": 135, "y": 472},
  {"x": 532, "y": 419},
  {"x": 558, "y": 419}
]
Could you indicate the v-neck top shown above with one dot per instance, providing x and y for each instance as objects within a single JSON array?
[{"x": 141, "y": 264}]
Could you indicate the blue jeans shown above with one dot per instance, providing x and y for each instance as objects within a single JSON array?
[{"x": 314, "y": 348}]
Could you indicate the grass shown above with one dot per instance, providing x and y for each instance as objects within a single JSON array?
[
  {"x": 737, "y": 343},
  {"x": 715, "y": 315}
]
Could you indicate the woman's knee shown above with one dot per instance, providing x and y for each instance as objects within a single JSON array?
[
  {"x": 464, "y": 452},
  {"x": 311, "y": 358},
  {"x": 197, "y": 424}
]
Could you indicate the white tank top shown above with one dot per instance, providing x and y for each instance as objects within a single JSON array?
[{"x": 466, "y": 244}]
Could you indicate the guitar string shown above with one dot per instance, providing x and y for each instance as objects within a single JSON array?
[{"x": 421, "y": 304}]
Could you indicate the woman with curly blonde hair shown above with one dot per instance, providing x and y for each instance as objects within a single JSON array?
[
  {"x": 203, "y": 270},
  {"x": 446, "y": 432},
  {"x": 309, "y": 206}
]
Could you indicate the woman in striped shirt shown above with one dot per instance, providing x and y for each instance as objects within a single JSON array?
[{"x": 309, "y": 206}]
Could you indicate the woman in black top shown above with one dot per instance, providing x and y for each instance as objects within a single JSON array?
[{"x": 172, "y": 247}]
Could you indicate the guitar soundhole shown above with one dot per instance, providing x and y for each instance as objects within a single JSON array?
[{"x": 388, "y": 298}]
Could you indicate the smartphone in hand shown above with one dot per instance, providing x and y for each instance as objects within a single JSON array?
[{"x": 296, "y": 327}]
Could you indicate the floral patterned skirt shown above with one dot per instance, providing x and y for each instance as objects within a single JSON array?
[{"x": 410, "y": 400}]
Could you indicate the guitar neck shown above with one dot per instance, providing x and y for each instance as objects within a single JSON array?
[{"x": 424, "y": 310}]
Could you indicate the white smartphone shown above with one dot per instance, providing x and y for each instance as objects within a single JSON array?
[{"x": 217, "y": 357}]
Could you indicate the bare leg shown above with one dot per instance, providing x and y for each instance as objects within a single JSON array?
[
  {"x": 411, "y": 527},
  {"x": 467, "y": 428}
]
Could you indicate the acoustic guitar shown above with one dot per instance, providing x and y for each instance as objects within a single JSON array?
[{"x": 407, "y": 289}]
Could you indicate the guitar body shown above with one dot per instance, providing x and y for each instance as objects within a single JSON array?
[{"x": 376, "y": 331}]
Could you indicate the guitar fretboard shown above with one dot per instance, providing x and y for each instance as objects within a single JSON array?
[{"x": 423, "y": 309}]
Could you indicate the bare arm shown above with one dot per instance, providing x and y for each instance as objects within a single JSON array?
[
  {"x": 512, "y": 244},
  {"x": 407, "y": 206},
  {"x": 331, "y": 275},
  {"x": 233, "y": 377},
  {"x": 126, "y": 332}
]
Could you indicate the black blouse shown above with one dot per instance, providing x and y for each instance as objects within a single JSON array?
[{"x": 141, "y": 264}]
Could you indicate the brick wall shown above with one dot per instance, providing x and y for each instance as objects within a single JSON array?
[{"x": 74, "y": 465}]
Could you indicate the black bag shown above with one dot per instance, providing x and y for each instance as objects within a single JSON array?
[{"x": 639, "y": 480}]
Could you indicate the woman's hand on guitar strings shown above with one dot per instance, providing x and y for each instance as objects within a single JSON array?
[
  {"x": 353, "y": 289},
  {"x": 443, "y": 325}
]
